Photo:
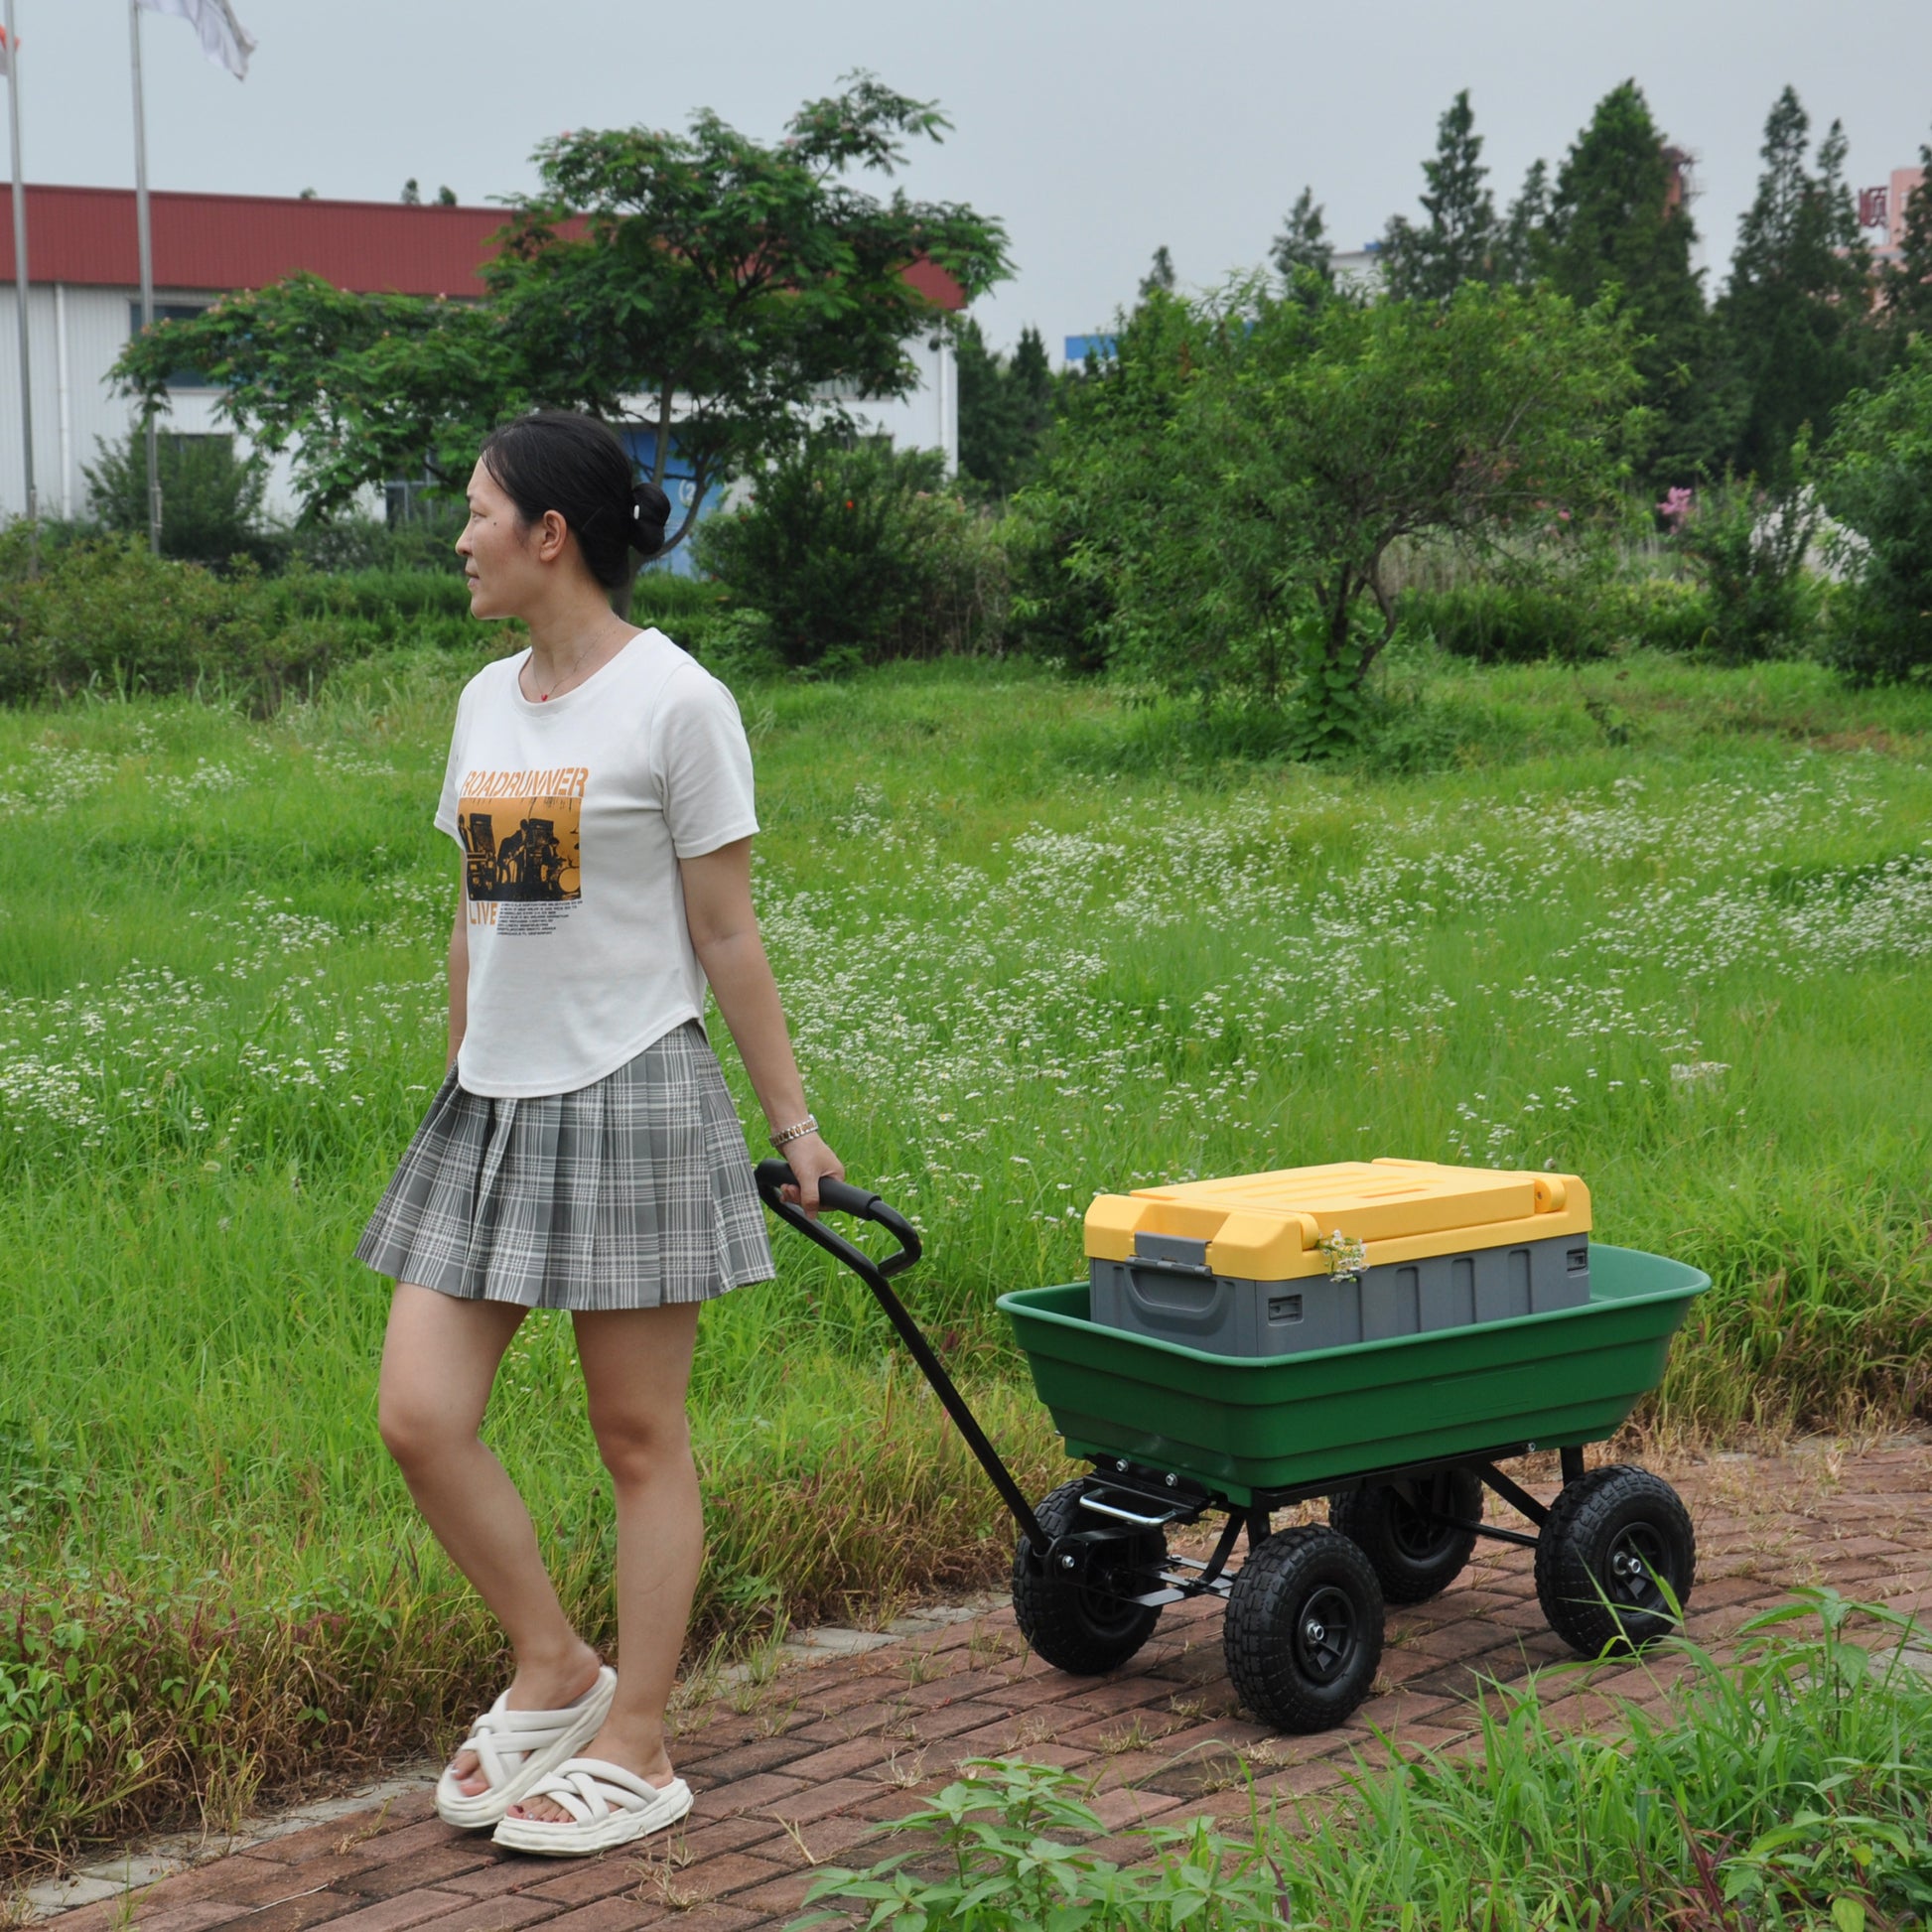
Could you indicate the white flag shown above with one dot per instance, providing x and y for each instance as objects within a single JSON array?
[{"x": 225, "y": 40}]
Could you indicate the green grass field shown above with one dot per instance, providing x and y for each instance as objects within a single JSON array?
[{"x": 1662, "y": 927}]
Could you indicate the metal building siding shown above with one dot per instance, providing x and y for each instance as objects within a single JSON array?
[{"x": 86, "y": 237}]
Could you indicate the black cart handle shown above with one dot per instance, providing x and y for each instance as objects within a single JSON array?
[{"x": 842, "y": 1199}]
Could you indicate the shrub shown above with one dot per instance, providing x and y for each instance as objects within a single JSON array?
[
  {"x": 211, "y": 499},
  {"x": 1878, "y": 481},
  {"x": 855, "y": 553},
  {"x": 1747, "y": 548},
  {"x": 422, "y": 541},
  {"x": 106, "y": 614},
  {"x": 1497, "y": 622},
  {"x": 1509, "y": 623},
  {"x": 1660, "y": 614}
]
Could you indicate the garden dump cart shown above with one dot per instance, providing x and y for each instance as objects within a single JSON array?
[{"x": 1402, "y": 1435}]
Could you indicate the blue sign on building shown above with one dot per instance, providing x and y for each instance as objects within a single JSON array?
[{"x": 1100, "y": 348}]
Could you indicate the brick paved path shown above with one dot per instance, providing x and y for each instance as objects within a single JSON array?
[{"x": 794, "y": 1773}]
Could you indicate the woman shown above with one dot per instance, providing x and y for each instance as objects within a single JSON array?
[{"x": 583, "y": 1152}]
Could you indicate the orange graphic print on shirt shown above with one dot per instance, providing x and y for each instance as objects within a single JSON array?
[{"x": 520, "y": 834}]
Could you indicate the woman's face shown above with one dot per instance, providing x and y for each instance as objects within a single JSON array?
[{"x": 502, "y": 557}]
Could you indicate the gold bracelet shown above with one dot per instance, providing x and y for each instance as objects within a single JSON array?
[{"x": 796, "y": 1132}]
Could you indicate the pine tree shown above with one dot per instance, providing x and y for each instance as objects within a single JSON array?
[
  {"x": 1459, "y": 242},
  {"x": 1160, "y": 275},
  {"x": 1302, "y": 253},
  {"x": 1006, "y": 407},
  {"x": 1519, "y": 250},
  {"x": 1031, "y": 377},
  {"x": 1616, "y": 221},
  {"x": 1797, "y": 312},
  {"x": 1909, "y": 280}
]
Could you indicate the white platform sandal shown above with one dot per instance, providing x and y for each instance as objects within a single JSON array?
[
  {"x": 607, "y": 1806},
  {"x": 515, "y": 1749}
]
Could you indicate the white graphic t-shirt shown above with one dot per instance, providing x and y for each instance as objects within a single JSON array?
[{"x": 572, "y": 816}]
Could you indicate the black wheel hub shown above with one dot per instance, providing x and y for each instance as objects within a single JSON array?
[
  {"x": 1325, "y": 1633},
  {"x": 1633, "y": 1565},
  {"x": 1417, "y": 1534}
]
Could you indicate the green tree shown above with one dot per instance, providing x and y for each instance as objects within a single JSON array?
[
  {"x": 1907, "y": 285},
  {"x": 213, "y": 497},
  {"x": 1301, "y": 253},
  {"x": 1877, "y": 482},
  {"x": 1102, "y": 491},
  {"x": 855, "y": 552},
  {"x": 1297, "y": 460},
  {"x": 1518, "y": 249},
  {"x": 728, "y": 281},
  {"x": 1158, "y": 279},
  {"x": 1615, "y": 222},
  {"x": 1459, "y": 242},
  {"x": 1005, "y": 406},
  {"x": 1796, "y": 314}
]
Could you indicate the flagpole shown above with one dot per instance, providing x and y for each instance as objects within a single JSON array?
[
  {"x": 21, "y": 286},
  {"x": 147, "y": 268}
]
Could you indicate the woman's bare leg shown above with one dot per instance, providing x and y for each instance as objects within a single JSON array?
[
  {"x": 637, "y": 1367},
  {"x": 439, "y": 1360}
]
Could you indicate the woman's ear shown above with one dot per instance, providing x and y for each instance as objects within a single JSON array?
[{"x": 552, "y": 534}]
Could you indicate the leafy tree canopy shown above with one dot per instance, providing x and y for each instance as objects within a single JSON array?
[
  {"x": 704, "y": 285},
  {"x": 1311, "y": 443},
  {"x": 1459, "y": 242},
  {"x": 1877, "y": 480}
]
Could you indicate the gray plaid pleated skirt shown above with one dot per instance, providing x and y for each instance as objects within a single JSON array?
[{"x": 629, "y": 1194}]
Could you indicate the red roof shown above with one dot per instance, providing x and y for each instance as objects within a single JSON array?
[{"x": 85, "y": 236}]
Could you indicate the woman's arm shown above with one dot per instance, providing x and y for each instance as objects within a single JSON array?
[
  {"x": 459, "y": 974},
  {"x": 725, "y": 933}
]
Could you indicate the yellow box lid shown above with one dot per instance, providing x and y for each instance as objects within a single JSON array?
[{"x": 1268, "y": 1226}]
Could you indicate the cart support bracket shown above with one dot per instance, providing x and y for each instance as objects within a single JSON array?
[{"x": 1512, "y": 1493}]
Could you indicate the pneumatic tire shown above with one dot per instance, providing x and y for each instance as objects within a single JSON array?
[
  {"x": 1081, "y": 1625},
  {"x": 1415, "y": 1554},
  {"x": 1615, "y": 1559},
  {"x": 1304, "y": 1629}
]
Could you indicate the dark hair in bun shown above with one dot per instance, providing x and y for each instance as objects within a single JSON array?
[{"x": 555, "y": 460}]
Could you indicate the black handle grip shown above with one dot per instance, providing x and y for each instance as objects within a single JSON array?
[{"x": 842, "y": 1199}]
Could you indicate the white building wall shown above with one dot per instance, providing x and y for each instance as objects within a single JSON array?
[
  {"x": 927, "y": 418},
  {"x": 78, "y": 333}
]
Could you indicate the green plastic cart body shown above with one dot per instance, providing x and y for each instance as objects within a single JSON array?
[{"x": 1240, "y": 1428}]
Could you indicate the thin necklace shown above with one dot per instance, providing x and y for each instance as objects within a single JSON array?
[{"x": 544, "y": 697}]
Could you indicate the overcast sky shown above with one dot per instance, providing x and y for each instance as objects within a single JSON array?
[{"x": 1096, "y": 133}]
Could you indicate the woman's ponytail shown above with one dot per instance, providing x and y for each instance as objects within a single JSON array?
[{"x": 650, "y": 511}]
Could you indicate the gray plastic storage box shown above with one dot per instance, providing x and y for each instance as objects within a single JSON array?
[{"x": 1318, "y": 1230}]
